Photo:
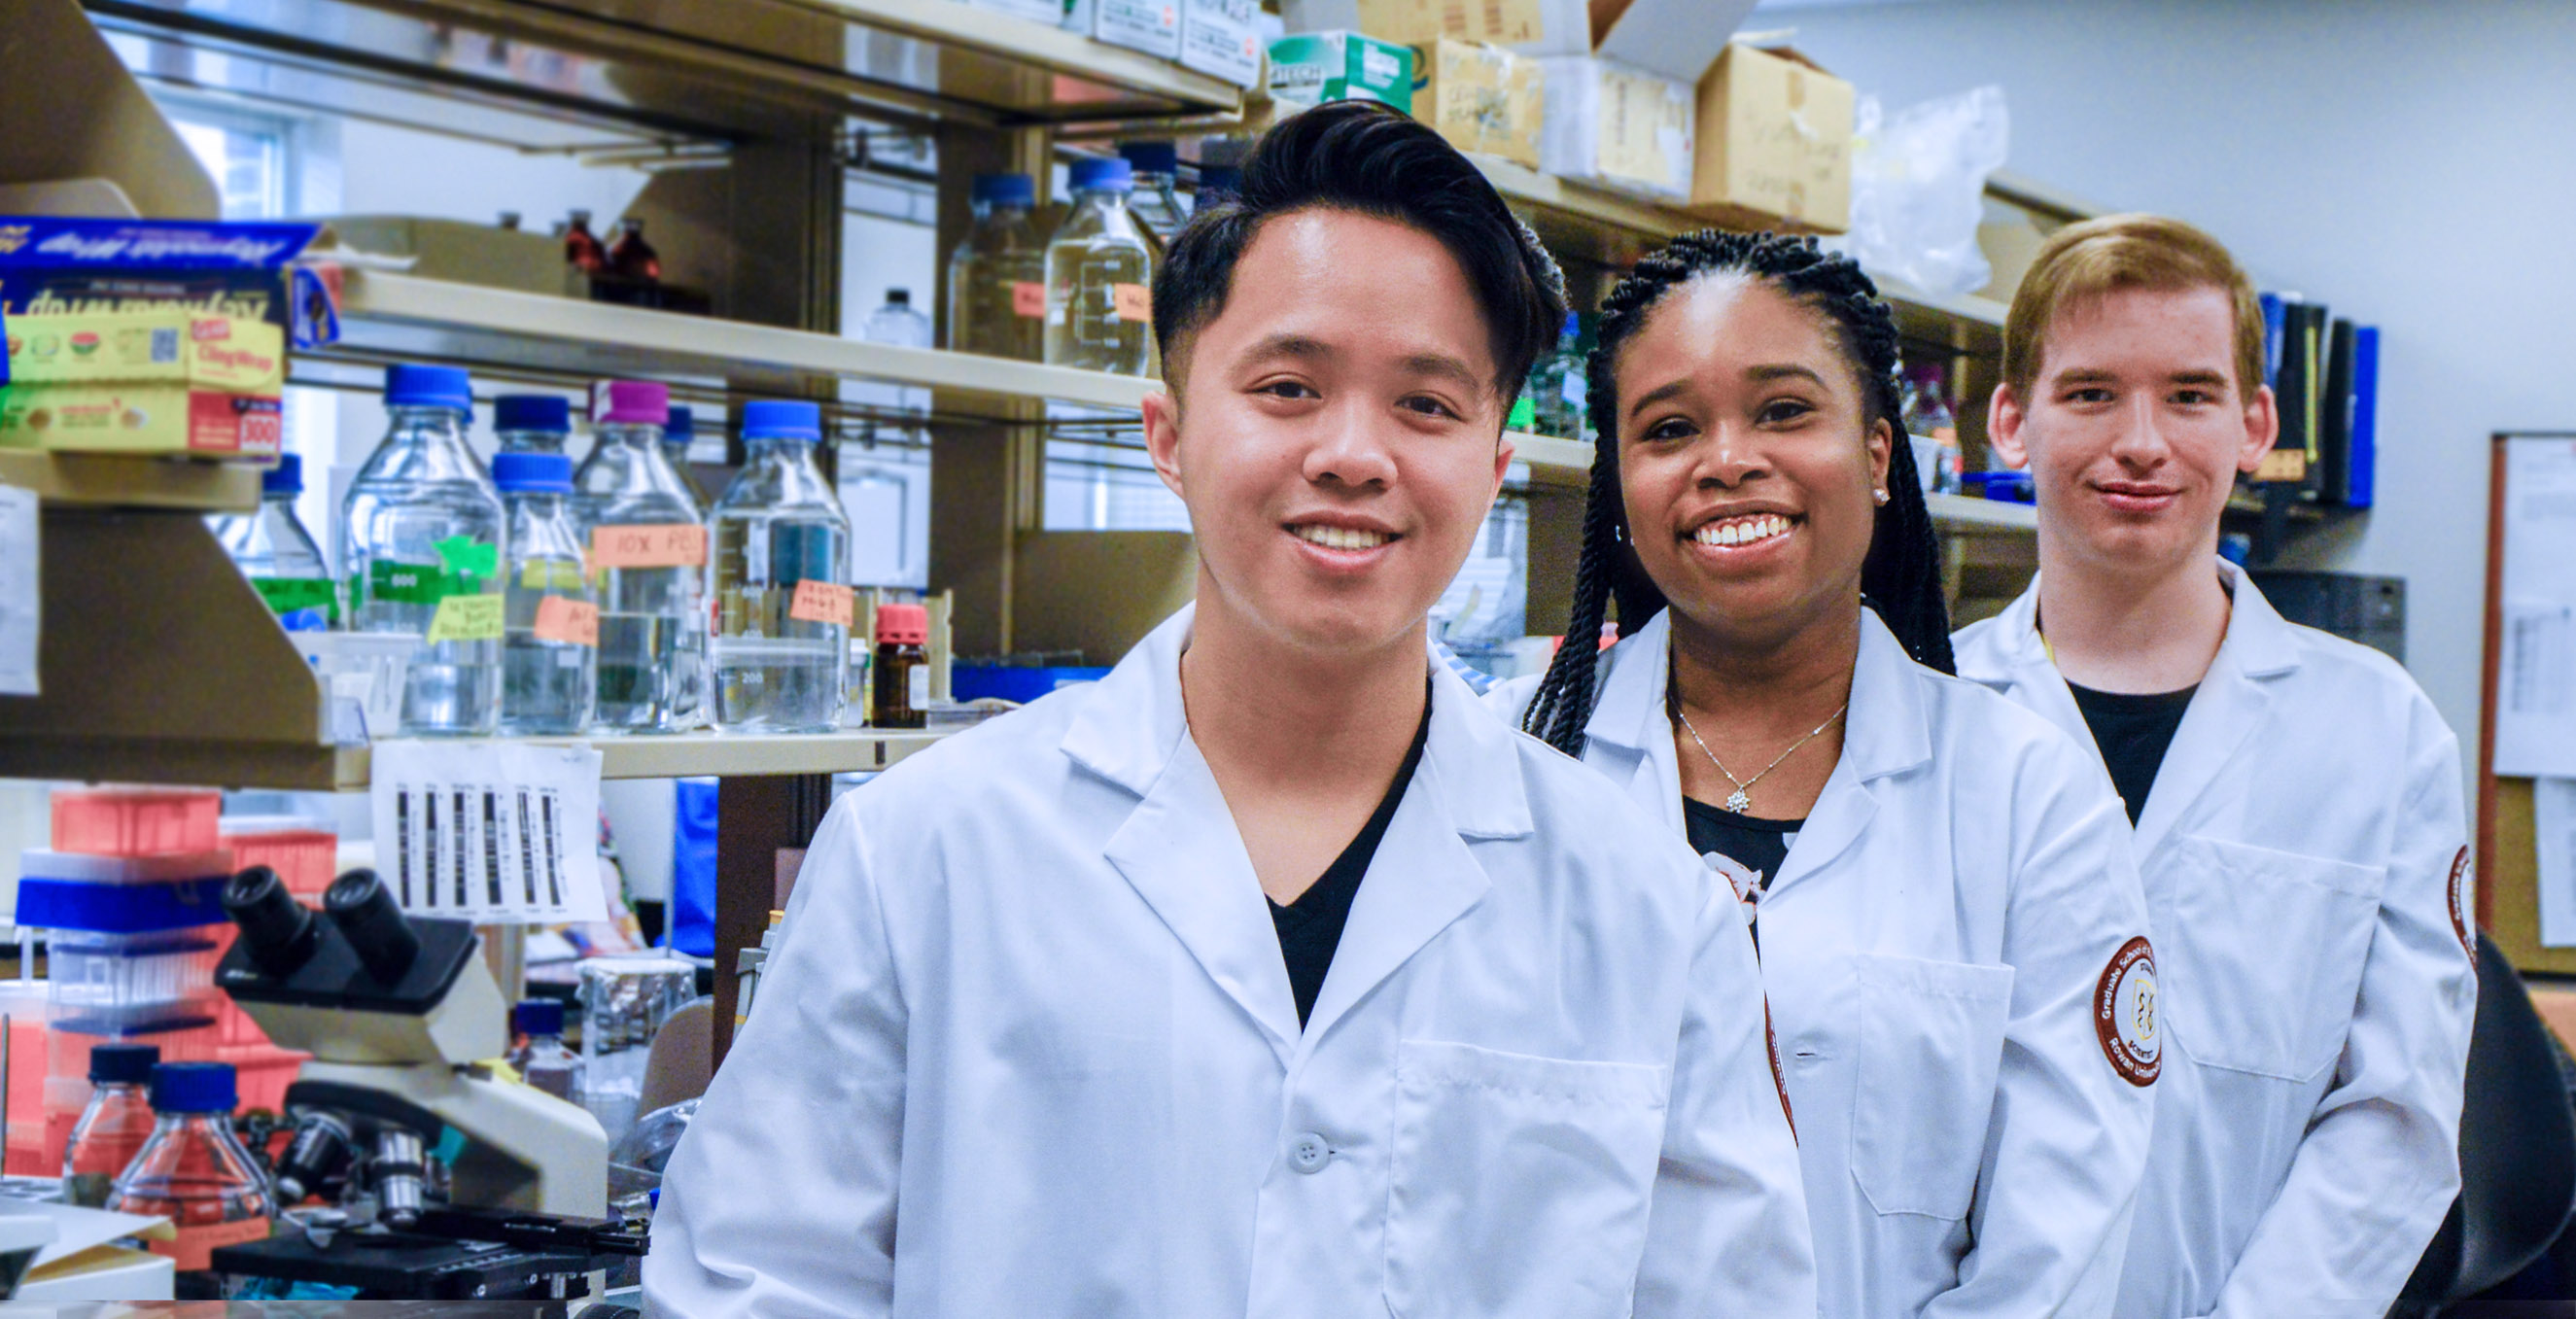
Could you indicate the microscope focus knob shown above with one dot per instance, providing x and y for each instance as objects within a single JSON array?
[{"x": 364, "y": 909}]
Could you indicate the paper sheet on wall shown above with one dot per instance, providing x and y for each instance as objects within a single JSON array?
[
  {"x": 498, "y": 834},
  {"x": 2553, "y": 811},
  {"x": 21, "y": 591},
  {"x": 2536, "y": 673}
]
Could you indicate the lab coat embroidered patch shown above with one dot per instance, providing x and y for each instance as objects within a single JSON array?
[
  {"x": 2124, "y": 1013},
  {"x": 2464, "y": 891}
]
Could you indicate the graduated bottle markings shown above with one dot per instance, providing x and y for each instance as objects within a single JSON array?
[
  {"x": 781, "y": 577},
  {"x": 647, "y": 553}
]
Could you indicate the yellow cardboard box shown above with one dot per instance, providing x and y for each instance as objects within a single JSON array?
[
  {"x": 169, "y": 380},
  {"x": 1774, "y": 143},
  {"x": 1481, "y": 98}
]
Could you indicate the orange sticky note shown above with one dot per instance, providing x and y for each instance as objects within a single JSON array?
[
  {"x": 822, "y": 602},
  {"x": 673, "y": 546},
  {"x": 559, "y": 619},
  {"x": 1131, "y": 302},
  {"x": 1028, "y": 298}
]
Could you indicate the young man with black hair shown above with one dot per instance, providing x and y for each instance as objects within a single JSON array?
[
  {"x": 2296, "y": 799},
  {"x": 1270, "y": 975}
]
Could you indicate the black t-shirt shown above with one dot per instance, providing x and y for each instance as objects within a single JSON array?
[
  {"x": 1310, "y": 929},
  {"x": 1759, "y": 846},
  {"x": 2134, "y": 732}
]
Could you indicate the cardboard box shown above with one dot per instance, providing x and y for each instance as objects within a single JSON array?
[
  {"x": 1517, "y": 23},
  {"x": 1774, "y": 143},
  {"x": 1049, "y": 12},
  {"x": 1151, "y": 26},
  {"x": 57, "y": 267},
  {"x": 1481, "y": 98},
  {"x": 1222, "y": 39},
  {"x": 166, "y": 381},
  {"x": 465, "y": 253},
  {"x": 1617, "y": 127},
  {"x": 1315, "y": 67}
]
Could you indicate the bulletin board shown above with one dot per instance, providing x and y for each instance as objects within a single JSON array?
[{"x": 2507, "y": 839}]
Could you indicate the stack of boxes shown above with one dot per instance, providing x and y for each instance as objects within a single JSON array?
[{"x": 130, "y": 897}]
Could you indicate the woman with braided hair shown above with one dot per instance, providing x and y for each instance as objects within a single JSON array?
[{"x": 1940, "y": 884}]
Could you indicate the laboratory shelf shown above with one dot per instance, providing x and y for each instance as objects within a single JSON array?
[
  {"x": 387, "y": 317},
  {"x": 1609, "y": 229},
  {"x": 119, "y": 481}
]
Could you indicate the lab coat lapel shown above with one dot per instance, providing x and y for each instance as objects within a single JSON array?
[
  {"x": 2033, "y": 676},
  {"x": 1424, "y": 876},
  {"x": 1883, "y": 734},
  {"x": 1179, "y": 848},
  {"x": 2224, "y": 713},
  {"x": 1630, "y": 737}
]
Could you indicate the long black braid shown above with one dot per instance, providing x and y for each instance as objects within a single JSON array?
[{"x": 1901, "y": 578}]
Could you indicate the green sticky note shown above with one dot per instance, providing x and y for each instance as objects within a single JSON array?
[
  {"x": 466, "y": 618},
  {"x": 464, "y": 554},
  {"x": 285, "y": 595}
]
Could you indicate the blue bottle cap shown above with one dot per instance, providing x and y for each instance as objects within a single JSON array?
[
  {"x": 770, "y": 419},
  {"x": 126, "y": 1064},
  {"x": 1152, "y": 157},
  {"x": 681, "y": 428},
  {"x": 538, "y": 1016},
  {"x": 544, "y": 473},
  {"x": 1112, "y": 175},
  {"x": 287, "y": 478},
  {"x": 547, "y": 413},
  {"x": 193, "y": 1088},
  {"x": 409, "y": 386},
  {"x": 1573, "y": 325},
  {"x": 1005, "y": 189}
]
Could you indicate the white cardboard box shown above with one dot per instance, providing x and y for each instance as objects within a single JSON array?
[
  {"x": 1222, "y": 39},
  {"x": 1618, "y": 127},
  {"x": 1049, "y": 12},
  {"x": 1151, "y": 26}
]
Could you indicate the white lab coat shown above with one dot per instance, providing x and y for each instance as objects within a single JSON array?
[
  {"x": 1029, "y": 1049},
  {"x": 2306, "y": 868},
  {"x": 1932, "y": 948}
]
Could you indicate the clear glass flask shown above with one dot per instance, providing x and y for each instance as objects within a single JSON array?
[
  {"x": 193, "y": 1170},
  {"x": 1100, "y": 276},
  {"x": 113, "y": 1126},
  {"x": 647, "y": 555},
  {"x": 780, "y": 645},
  {"x": 550, "y": 646},
  {"x": 422, "y": 526},
  {"x": 997, "y": 275},
  {"x": 278, "y": 556},
  {"x": 531, "y": 423}
]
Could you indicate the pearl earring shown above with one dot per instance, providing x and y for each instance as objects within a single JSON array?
[{"x": 1882, "y": 495}]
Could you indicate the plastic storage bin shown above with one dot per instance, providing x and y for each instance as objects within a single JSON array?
[
  {"x": 305, "y": 858},
  {"x": 112, "y": 984},
  {"x": 131, "y": 822}
]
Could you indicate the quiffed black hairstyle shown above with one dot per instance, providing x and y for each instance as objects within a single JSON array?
[
  {"x": 1901, "y": 578},
  {"x": 1364, "y": 157}
]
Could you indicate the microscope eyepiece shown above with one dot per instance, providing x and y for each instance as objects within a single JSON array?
[
  {"x": 364, "y": 909},
  {"x": 278, "y": 930}
]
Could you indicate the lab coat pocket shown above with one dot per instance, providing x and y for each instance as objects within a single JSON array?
[
  {"x": 2262, "y": 952},
  {"x": 1931, "y": 1046},
  {"x": 1518, "y": 1185}
]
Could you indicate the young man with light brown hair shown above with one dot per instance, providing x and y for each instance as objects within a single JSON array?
[{"x": 2296, "y": 799}]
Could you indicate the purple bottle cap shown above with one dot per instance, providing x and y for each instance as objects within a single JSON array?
[{"x": 630, "y": 402}]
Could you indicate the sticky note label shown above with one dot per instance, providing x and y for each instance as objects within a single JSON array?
[
  {"x": 672, "y": 546},
  {"x": 1132, "y": 302},
  {"x": 1028, "y": 298},
  {"x": 574, "y": 621},
  {"x": 467, "y": 618},
  {"x": 550, "y": 575},
  {"x": 821, "y": 602}
]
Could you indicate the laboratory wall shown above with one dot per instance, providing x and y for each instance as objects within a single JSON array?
[{"x": 2405, "y": 163}]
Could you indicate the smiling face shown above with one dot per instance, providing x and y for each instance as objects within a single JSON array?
[
  {"x": 1747, "y": 463},
  {"x": 2135, "y": 428},
  {"x": 1338, "y": 450}
]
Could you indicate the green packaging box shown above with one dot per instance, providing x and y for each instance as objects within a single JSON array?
[{"x": 1314, "y": 67}]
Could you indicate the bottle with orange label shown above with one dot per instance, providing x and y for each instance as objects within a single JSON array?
[
  {"x": 781, "y": 575},
  {"x": 550, "y": 645},
  {"x": 997, "y": 276},
  {"x": 1100, "y": 276},
  {"x": 194, "y": 1172},
  {"x": 647, "y": 556}
]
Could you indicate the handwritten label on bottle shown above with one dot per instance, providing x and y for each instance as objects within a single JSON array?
[
  {"x": 1131, "y": 302},
  {"x": 1028, "y": 298},
  {"x": 466, "y": 618},
  {"x": 677, "y": 545},
  {"x": 821, "y": 602},
  {"x": 574, "y": 621}
]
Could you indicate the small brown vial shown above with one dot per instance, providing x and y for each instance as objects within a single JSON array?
[{"x": 901, "y": 679}]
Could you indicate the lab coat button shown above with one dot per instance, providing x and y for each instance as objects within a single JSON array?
[{"x": 1309, "y": 1153}]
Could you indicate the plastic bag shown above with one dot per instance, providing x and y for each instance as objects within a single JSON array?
[{"x": 1918, "y": 187}]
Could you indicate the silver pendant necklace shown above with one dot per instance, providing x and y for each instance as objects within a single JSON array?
[{"x": 1741, "y": 800}]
